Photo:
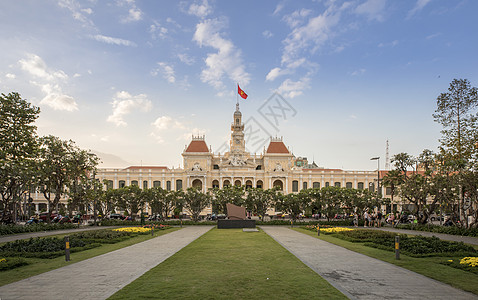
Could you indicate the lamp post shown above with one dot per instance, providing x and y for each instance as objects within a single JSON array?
[{"x": 378, "y": 174}]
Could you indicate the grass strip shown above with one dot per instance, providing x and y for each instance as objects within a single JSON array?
[
  {"x": 431, "y": 267},
  {"x": 37, "y": 266},
  {"x": 230, "y": 264}
]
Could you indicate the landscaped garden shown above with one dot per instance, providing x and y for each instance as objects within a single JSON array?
[
  {"x": 24, "y": 258},
  {"x": 454, "y": 263}
]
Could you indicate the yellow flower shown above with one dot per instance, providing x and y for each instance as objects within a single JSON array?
[
  {"x": 335, "y": 229},
  {"x": 469, "y": 261},
  {"x": 450, "y": 260},
  {"x": 3, "y": 260},
  {"x": 133, "y": 229}
]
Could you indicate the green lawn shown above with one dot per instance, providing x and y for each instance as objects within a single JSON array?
[
  {"x": 230, "y": 264},
  {"x": 39, "y": 266},
  {"x": 428, "y": 266}
]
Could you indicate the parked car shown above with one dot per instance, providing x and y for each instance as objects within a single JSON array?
[
  {"x": 116, "y": 216},
  {"x": 435, "y": 217},
  {"x": 32, "y": 221},
  {"x": 44, "y": 215}
]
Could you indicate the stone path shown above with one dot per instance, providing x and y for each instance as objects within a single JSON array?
[
  {"x": 359, "y": 276},
  {"x": 21, "y": 236},
  {"x": 447, "y": 237},
  {"x": 101, "y": 276}
]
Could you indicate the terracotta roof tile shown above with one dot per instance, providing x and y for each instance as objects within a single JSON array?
[
  {"x": 277, "y": 147},
  {"x": 317, "y": 169},
  {"x": 197, "y": 146}
]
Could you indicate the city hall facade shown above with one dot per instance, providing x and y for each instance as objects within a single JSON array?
[{"x": 204, "y": 169}]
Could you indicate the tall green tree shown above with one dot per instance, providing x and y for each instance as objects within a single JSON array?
[
  {"x": 393, "y": 179},
  {"x": 228, "y": 194},
  {"x": 195, "y": 202},
  {"x": 58, "y": 167},
  {"x": 456, "y": 112},
  {"x": 18, "y": 150},
  {"x": 259, "y": 201}
]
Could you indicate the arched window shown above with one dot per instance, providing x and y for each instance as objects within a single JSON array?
[
  {"x": 237, "y": 183},
  {"x": 259, "y": 184},
  {"x": 215, "y": 184},
  {"x": 371, "y": 186},
  {"x": 121, "y": 184},
  {"x": 316, "y": 185},
  {"x": 295, "y": 186},
  {"x": 197, "y": 184},
  {"x": 327, "y": 184},
  {"x": 134, "y": 182},
  {"x": 156, "y": 183},
  {"x": 248, "y": 184},
  {"x": 145, "y": 185},
  {"x": 278, "y": 183},
  {"x": 226, "y": 183},
  {"x": 168, "y": 185},
  {"x": 360, "y": 185},
  {"x": 337, "y": 184},
  {"x": 304, "y": 185},
  {"x": 348, "y": 185}
]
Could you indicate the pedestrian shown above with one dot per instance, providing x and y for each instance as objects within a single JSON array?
[
  {"x": 366, "y": 218},
  {"x": 356, "y": 217},
  {"x": 379, "y": 218},
  {"x": 373, "y": 217}
]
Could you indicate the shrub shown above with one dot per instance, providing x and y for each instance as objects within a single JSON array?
[
  {"x": 11, "y": 263},
  {"x": 441, "y": 229},
  {"x": 15, "y": 229}
]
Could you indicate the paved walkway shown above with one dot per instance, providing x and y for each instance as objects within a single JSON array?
[
  {"x": 21, "y": 236},
  {"x": 447, "y": 237},
  {"x": 359, "y": 276},
  {"x": 101, "y": 276}
]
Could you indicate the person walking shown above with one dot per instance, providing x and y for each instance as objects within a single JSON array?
[
  {"x": 379, "y": 218},
  {"x": 366, "y": 218}
]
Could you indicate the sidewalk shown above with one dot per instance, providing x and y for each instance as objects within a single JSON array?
[
  {"x": 447, "y": 237},
  {"x": 101, "y": 276},
  {"x": 359, "y": 276},
  {"x": 22, "y": 236}
]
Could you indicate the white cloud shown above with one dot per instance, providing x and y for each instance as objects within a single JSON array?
[
  {"x": 124, "y": 103},
  {"x": 358, "y": 72},
  {"x": 134, "y": 13},
  {"x": 373, "y": 9},
  {"x": 291, "y": 89},
  {"x": 166, "y": 122},
  {"x": 228, "y": 59},
  {"x": 391, "y": 44},
  {"x": 267, "y": 34},
  {"x": 183, "y": 57},
  {"x": 297, "y": 17},
  {"x": 10, "y": 76},
  {"x": 157, "y": 31},
  {"x": 419, "y": 5},
  {"x": 166, "y": 70},
  {"x": 112, "y": 40},
  {"x": 432, "y": 36},
  {"x": 200, "y": 10},
  {"x": 50, "y": 83},
  {"x": 278, "y": 8},
  {"x": 274, "y": 73},
  {"x": 77, "y": 11}
]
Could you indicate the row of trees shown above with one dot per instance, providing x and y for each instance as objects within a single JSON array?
[
  {"x": 328, "y": 201},
  {"x": 27, "y": 161},
  {"x": 445, "y": 181}
]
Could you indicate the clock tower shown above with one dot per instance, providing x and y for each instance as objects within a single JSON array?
[{"x": 237, "y": 142}]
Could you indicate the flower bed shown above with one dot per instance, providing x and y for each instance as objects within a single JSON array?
[
  {"x": 469, "y": 263},
  {"x": 326, "y": 229}
]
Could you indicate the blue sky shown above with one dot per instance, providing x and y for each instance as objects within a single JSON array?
[{"x": 133, "y": 80}]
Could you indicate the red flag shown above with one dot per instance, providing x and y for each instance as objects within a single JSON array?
[{"x": 241, "y": 92}]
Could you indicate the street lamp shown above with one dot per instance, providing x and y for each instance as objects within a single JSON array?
[{"x": 378, "y": 173}]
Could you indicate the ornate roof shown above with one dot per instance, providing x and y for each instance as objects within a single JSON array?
[
  {"x": 197, "y": 146},
  {"x": 277, "y": 147}
]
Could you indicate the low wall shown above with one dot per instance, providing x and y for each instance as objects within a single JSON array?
[{"x": 225, "y": 224}]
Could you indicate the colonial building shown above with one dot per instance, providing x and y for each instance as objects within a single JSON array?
[{"x": 204, "y": 169}]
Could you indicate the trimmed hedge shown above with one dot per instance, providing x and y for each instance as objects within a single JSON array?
[
  {"x": 12, "y": 263},
  {"x": 15, "y": 229},
  {"x": 417, "y": 246},
  {"x": 189, "y": 222},
  {"x": 441, "y": 229}
]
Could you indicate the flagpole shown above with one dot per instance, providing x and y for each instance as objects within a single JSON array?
[{"x": 237, "y": 96}]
